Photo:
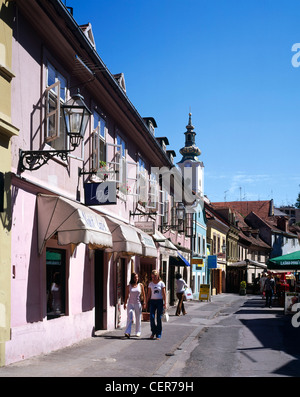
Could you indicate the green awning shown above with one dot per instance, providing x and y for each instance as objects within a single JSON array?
[{"x": 289, "y": 261}]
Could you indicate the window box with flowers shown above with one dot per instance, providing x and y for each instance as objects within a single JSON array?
[
  {"x": 102, "y": 171},
  {"x": 123, "y": 190}
]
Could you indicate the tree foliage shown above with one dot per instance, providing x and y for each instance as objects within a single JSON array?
[{"x": 297, "y": 204}]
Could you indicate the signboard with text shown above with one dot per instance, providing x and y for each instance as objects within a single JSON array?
[
  {"x": 204, "y": 293},
  {"x": 100, "y": 193}
]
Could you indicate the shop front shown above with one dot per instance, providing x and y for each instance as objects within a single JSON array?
[
  {"x": 53, "y": 301},
  {"x": 133, "y": 251}
]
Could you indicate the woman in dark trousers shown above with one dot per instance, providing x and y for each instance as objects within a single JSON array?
[
  {"x": 180, "y": 288},
  {"x": 157, "y": 298}
]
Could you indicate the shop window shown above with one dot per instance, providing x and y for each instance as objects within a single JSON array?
[
  {"x": 163, "y": 272},
  {"x": 55, "y": 283}
]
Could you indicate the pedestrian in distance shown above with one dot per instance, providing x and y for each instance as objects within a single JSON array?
[
  {"x": 135, "y": 295},
  {"x": 270, "y": 289},
  {"x": 181, "y": 285},
  {"x": 156, "y": 297},
  {"x": 262, "y": 284}
]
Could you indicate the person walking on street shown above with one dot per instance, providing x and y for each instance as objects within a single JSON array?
[
  {"x": 270, "y": 289},
  {"x": 180, "y": 288},
  {"x": 262, "y": 284},
  {"x": 135, "y": 295},
  {"x": 157, "y": 298}
]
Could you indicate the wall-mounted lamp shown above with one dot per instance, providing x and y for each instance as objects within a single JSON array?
[
  {"x": 76, "y": 116},
  {"x": 179, "y": 218}
]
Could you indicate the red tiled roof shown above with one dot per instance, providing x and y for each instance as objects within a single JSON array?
[{"x": 261, "y": 208}]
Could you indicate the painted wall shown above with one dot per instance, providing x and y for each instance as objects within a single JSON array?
[
  {"x": 7, "y": 130},
  {"x": 32, "y": 333}
]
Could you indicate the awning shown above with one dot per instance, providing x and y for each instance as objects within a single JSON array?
[
  {"x": 149, "y": 248},
  {"x": 179, "y": 260},
  {"x": 125, "y": 237},
  {"x": 246, "y": 263},
  {"x": 285, "y": 262},
  {"x": 165, "y": 245},
  {"x": 72, "y": 222}
]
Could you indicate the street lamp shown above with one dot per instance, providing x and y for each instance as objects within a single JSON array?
[
  {"x": 76, "y": 116},
  {"x": 178, "y": 219}
]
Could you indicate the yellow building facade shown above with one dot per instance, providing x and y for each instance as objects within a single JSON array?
[{"x": 7, "y": 131}]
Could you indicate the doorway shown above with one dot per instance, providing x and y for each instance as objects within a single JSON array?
[{"x": 99, "y": 297}]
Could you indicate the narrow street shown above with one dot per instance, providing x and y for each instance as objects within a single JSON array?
[{"x": 231, "y": 336}]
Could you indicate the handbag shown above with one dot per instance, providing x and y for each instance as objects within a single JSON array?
[
  {"x": 188, "y": 294},
  {"x": 165, "y": 317}
]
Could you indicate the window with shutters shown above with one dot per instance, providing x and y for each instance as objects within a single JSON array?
[
  {"x": 55, "y": 95},
  {"x": 98, "y": 158}
]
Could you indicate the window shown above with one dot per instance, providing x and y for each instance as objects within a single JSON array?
[
  {"x": 153, "y": 192},
  {"x": 142, "y": 182},
  {"x": 98, "y": 143},
  {"x": 55, "y": 283},
  {"x": 121, "y": 168},
  {"x": 199, "y": 244},
  {"x": 214, "y": 244},
  {"x": 55, "y": 134}
]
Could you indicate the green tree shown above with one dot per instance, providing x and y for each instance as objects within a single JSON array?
[{"x": 297, "y": 204}]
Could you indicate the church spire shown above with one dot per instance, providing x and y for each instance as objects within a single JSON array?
[{"x": 190, "y": 151}]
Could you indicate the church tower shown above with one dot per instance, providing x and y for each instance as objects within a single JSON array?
[{"x": 190, "y": 153}]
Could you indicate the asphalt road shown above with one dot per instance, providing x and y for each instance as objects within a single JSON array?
[{"x": 231, "y": 336}]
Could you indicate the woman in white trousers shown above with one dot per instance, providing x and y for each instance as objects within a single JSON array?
[{"x": 134, "y": 295}]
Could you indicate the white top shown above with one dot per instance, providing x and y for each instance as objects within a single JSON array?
[
  {"x": 181, "y": 284},
  {"x": 156, "y": 289},
  {"x": 134, "y": 294}
]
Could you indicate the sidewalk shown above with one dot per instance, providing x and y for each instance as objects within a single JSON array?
[{"x": 109, "y": 353}]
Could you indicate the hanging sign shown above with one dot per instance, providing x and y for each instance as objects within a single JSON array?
[
  {"x": 147, "y": 227},
  {"x": 100, "y": 193},
  {"x": 197, "y": 261},
  {"x": 212, "y": 262}
]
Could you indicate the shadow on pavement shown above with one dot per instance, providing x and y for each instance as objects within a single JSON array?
[{"x": 276, "y": 333}]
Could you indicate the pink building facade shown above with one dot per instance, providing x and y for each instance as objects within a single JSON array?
[{"x": 88, "y": 220}]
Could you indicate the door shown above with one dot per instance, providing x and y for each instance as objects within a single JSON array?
[{"x": 99, "y": 298}]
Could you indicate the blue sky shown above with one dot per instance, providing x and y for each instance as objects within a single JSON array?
[{"x": 229, "y": 62}]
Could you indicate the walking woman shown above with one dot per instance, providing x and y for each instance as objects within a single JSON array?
[
  {"x": 157, "y": 298},
  {"x": 180, "y": 288},
  {"x": 135, "y": 295}
]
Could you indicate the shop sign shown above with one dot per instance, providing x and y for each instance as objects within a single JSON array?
[
  {"x": 204, "y": 293},
  {"x": 100, "y": 193},
  {"x": 147, "y": 227},
  {"x": 212, "y": 262},
  {"x": 197, "y": 261}
]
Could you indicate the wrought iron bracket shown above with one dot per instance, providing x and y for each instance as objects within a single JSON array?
[
  {"x": 131, "y": 213},
  {"x": 34, "y": 159}
]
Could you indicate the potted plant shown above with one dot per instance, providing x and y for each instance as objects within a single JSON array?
[
  {"x": 102, "y": 170},
  {"x": 243, "y": 286}
]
